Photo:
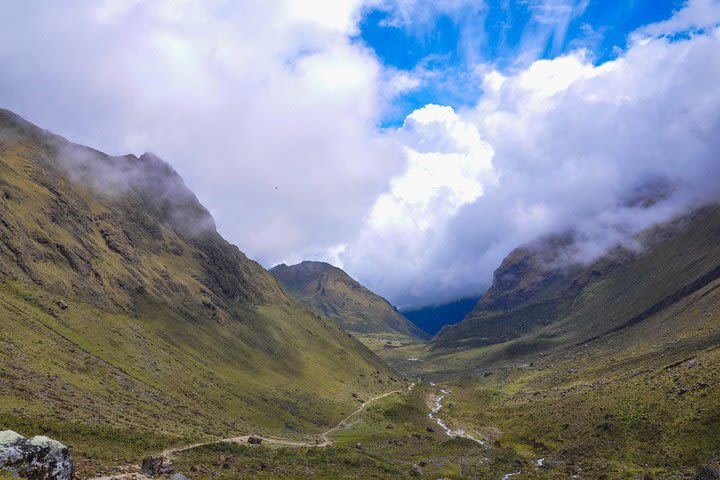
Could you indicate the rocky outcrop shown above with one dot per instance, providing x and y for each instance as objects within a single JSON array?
[
  {"x": 707, "y": 472},
  {"x": 154, "y": 465},
  {"x": 39, "y": 458}
]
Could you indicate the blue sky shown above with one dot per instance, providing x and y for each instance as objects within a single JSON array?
[{"x": 504, "y": 34}]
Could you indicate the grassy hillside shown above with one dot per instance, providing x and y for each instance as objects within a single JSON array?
[
  {"x": 169, "y": 332},
  {"x": 331, "y": 292},
  {"x": 608, "y": 370},
  {"x": 573, "y": 303}
]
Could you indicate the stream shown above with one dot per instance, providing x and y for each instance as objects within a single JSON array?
[
  {"x": 449, "y": 431},
  {"x": 462, "y": 433}
]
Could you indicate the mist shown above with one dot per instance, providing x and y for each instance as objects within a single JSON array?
[{"x": 147, "y": 176}]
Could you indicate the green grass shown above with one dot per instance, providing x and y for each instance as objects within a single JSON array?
[
  {"x": 94, "y": 447},
  {"x": 393, "y": 437},
  {"x": 619, "y": 408},
  {"x": 161, "y": 375},
  {"x": 5, "y": 475}
]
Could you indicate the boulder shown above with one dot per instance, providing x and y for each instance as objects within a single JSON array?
[
  {"x": 706, "y": 472},
  {"x": 200, "y": 469},
  {"x": 155, "y": 465},
  {"x": 40, "y": 458},
  {"x": 416, "y": 471},
  {"x": 255, "y": 440},
  {"x": 179, "y": 476}
]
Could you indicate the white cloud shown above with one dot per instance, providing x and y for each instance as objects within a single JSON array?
[
  {"x": 267, "y": 109},
  {"x": 693, "y": 16},
  {"x": 447, "y": 167},
  {"x": 572, "y": 143}
]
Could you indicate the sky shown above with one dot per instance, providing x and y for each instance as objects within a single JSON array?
[{"x": 413, "y": 143}]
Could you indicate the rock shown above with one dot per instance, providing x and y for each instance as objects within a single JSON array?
[
  {"x": 572, "y": 470},
  {"x": 431, "y": 429},
  {"x": 706, "y": 472},
  {"x": 416, "y": 471},
  {"x": 179, "y": 476},
  {"x": 61, "y": 304},
  {"x": 358, "y": 446},
  {"x": 200, "y": 469},
  {"x": 220, "y": 460},
  {"x": 255, "y": 440},
  {"x": 264, "y": 467},
  {"x": 154, "y": 465},
  {"x": 606, "y": 426},
  {"x": 40, "y": 458}
]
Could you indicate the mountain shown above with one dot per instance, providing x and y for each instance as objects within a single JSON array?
[
  {"x": 331, "y": 292},
  {"x": 432, "y": 318},
  {"x": 536, "y": 289},
  {"x": 603, "y": 370},
  {"x": 128, "y": 322}
]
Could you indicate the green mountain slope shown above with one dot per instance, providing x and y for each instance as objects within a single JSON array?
[
  {"x": 533, "y": 293},
  {"x": 169, "y": 330},
  {"x": 608, "y": 370},
  {"x": 332, "y": 292}
]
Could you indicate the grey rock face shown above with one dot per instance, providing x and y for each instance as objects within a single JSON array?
[
  {"x": 39, "y": 458},
  {"x": 706, "y": 472},
  {"x": 154, "y": 465}
]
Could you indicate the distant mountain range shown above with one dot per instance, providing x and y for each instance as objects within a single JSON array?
[
  {"x": 432, "y": 318},
  {"x": 330, "y": 291}
]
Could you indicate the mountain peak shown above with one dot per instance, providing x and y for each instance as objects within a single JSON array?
[{"x": 331, "y": 291}]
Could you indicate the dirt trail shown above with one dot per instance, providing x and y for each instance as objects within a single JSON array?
[{"x": 324, "y": 441}]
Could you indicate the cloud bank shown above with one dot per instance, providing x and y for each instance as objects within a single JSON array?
[
  {"x": 270, "y": 112},
  {"x": 569, "y": 146}
]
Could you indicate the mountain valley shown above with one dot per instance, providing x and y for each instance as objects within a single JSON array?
[{"x": 131, "y": 327}]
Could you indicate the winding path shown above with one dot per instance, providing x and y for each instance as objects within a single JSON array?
[{"x": 325, "y": 441}]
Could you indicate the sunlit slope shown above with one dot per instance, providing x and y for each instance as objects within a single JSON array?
[
  {"x": 331, "y": 292},
  {"x": 169, "y": 328}
]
